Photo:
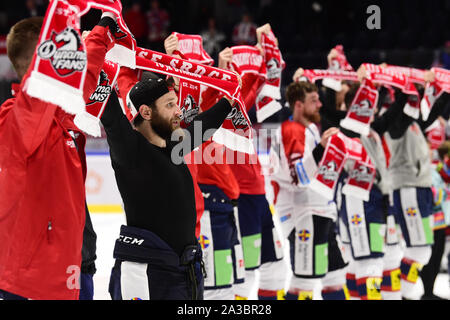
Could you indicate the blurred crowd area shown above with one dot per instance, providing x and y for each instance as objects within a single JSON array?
[{"x": 413, "y": 32}]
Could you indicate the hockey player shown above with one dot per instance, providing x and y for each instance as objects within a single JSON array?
[
  {"x": 34, "y": 258},
  {"x": 157, "y": 254},
  {"x": 410, "y": 173},
  {"x": 260, "y": 240},
  {"x": 307, "y": 218}
]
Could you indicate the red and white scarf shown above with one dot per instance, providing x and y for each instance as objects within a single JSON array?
[
  {"x": 414, "y": 75},
  {"x": 360, "y": 177},
  {"x": 434, "y": 90},
  {"x": 330, "y": 167},
  {"x": 312, "y": 75},
  {"x": 60, "y": 64},
  {"x": 248, "y": 60},
  {"x": 266, "y": 104},
  {"x": 235, "y": 133},
  {"x": 436, "y": 135},
  {"x": 250, "y": 64},
  {"x": 189, "y": 95},
  {"x": 124, "y": 49},
  {"x": 339, "y": 62},
  {"x": 89, "y": 121},
  {"x": 362, "y": 109},
  {"x": 394, "y": 77},
  {"x": 339, "y": 150},
  {"x": 192, "y": 48}
]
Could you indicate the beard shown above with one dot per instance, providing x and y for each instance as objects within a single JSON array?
[
  {"x": 313, "y": 117},
  {"x": 162, "y": 126}
]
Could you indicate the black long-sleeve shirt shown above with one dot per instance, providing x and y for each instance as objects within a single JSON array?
[{"x": 156, "y": 187}]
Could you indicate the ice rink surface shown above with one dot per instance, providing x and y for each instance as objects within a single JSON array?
[{"x": 107, "y": 227}]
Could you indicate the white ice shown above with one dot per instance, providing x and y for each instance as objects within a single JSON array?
[{"x": 107, "y": 227}]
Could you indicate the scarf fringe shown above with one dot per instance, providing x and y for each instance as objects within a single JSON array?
[
  {"x": 321, "y": 189},
  {"x": 268, "y": 110},
  {"x": 412, "y": 111},
  {"x": 53, "y": 91},
  {"x": 356, "y": 126},
  {"x": 88, "y": 124},
  {"x": 233, "y": 141}
]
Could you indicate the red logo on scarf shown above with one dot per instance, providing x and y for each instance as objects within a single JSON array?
[
  {"x": 273, "y": 70},
  {"x": 189, "y": 99},
  {"x": 65, "y": 52}
]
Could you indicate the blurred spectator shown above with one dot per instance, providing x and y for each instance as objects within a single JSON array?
[
  {"x": 34, "y": 8},
  {"x": 158, "y": 24},
  {"x": 212, "y": 39},
  {"x": 137, "y": 23},
  {"x": 244, "y": 33},
  {"x": 445, "y": 56},
  {"x": 442, "y": 57}
]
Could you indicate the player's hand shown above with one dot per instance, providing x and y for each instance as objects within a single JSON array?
[
  {"x": 298, "y": 74},
  {"x": 362, "y": 73},
  {"x": 333, "y": 54},
  {"x": 85, "y": 34},
  {"x": 263, "y": 29},
  {"x": 429, "y": 76},
  {"x": 225, "y": 57},
  {"x": 327, "y": 135},
  {"x": 171, "y": 44}
]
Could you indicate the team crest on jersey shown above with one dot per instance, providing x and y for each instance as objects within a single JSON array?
[
  {"x": 102, "y": 91},
  {"x": 65, "y": 52},
  {"x": 203, "y": 241},
  {"x": 329, "y": 171},
  {"x": 237, "y": 118},
  {"x": 273, "y": 70},
  {"x": 411, "y": 212},
  {"x": 189, "y": 109},
  {"x": 304, "y": 235},
  {"x": 362, "y": 109},
  {"x": 356, "y": 220}
]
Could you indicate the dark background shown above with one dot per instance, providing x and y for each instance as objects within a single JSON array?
[{"x": 413, "y": 32}]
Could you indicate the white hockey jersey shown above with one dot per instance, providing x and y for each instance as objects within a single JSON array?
[{"x": 295, "y": 166}]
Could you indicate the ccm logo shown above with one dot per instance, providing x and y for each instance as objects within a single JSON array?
[{"x": 130, "y": 240}]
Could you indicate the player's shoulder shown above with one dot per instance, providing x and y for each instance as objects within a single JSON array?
[{"x": 292, "y": 128}]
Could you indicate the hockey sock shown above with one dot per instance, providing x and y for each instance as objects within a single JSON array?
[
  {"x": 369, "y": 288},
  {"x": 351, "y": 286},
  {"x": 337, "y": 293}
]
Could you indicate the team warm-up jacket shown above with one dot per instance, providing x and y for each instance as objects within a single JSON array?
[
  {"x": 42, "y": 204},
  {"x": 155, "y": 183}
]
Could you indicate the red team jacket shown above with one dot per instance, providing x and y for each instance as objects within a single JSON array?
[
  {"x": 42, "y": 207},
  {"x": 249, "y": 174}
]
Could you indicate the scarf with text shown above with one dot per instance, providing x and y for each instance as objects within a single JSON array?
[
  {"x": 235, "y": 133},
  {"x": 191, "y": 46},
  {"x": 89, "y": 121},
  {"x": 60, "y": 63},
  {"x": 266, "y": 101},
  {"x": 362, "y": 109},
  {"x": 339, "y": 150}
]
